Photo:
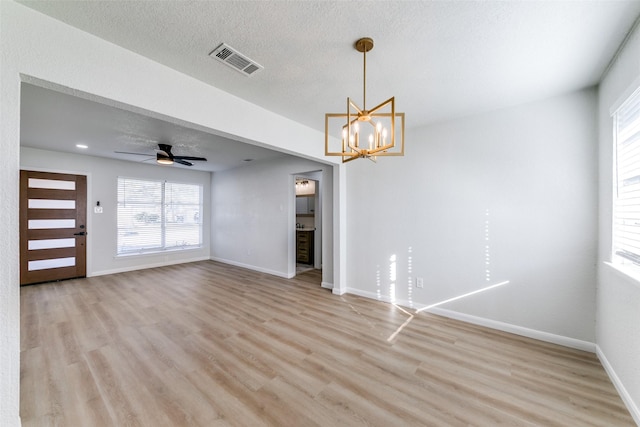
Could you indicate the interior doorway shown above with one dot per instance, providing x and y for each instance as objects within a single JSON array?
[
  {"x": 53, "y": 210},
  {"x": 308, "y": 217}
]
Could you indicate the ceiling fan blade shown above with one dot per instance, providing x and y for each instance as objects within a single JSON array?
[
  {"x": 182, "y": 162},
  {"x": 189, "y": 158},
  {"x": 137, "y": 154}
]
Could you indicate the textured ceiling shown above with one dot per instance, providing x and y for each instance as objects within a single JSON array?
[{"x": 441, "y": 59}]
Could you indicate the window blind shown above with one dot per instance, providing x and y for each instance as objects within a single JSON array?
[
  {"x": 158, "y": 215},
  {"x": 626, "y": 215}
]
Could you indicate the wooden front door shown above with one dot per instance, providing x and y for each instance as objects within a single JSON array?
[{"x": 53, "y": 210}]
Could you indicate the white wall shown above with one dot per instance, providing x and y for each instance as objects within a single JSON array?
[
  {"x": 34, "y": 45},
  {"x": 102, "y": 186},
  {"x": 9, "y": 230},
  {"x": 511, "y": 192},
  {"x": 253, "y": 215},
  {"x": 618, "y": 298}
]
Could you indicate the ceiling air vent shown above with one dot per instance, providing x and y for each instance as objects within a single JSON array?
[{"x": 228, "y": 55}]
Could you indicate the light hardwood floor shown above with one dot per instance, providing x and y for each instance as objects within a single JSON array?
[{"x": 209, "y": 344}]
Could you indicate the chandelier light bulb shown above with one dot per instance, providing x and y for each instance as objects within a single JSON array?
[{"x": 344, "y": 139}]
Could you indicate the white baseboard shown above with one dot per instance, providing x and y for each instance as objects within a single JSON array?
[
  {"x": 493, "y": 324},
  {"x": 518, "y": 330},
  {"x": 372, "y": 295},
  {"x": 622, "y": 391},
  {"x": 14, "y": 422},
  {"x": 146, "y": 266},
  {"x": 254, "y": 268},
  {"x": 327, "y": 285}
]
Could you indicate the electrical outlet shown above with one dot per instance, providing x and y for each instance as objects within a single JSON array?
[{"x": 419, "y": 282}]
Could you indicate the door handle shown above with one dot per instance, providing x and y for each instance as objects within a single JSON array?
[{"x": 81, "y": 233}]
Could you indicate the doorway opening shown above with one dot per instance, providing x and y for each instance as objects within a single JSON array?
[{"x": 308, "y": 219}]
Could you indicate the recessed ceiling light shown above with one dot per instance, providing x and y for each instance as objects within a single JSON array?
[{"x": 83, "y": 146}]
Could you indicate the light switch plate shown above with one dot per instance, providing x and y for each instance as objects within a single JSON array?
[{"x": 97, "y": 209}]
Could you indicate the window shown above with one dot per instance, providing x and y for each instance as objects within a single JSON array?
[
  {"x": 157, "y": 215},
  {"x": 626, "y": 208}
]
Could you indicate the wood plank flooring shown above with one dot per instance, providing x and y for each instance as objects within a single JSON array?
[{"x": 207, "y": 344}]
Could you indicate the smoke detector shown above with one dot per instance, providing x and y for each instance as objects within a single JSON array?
[{"x": 239, "y": 62}]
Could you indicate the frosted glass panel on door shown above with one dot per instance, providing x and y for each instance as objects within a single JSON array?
[
  {"x": 39, "y": 224},
  {"x": 51, "y": 204},
  {"x": 53, "y": 184},
  {"x": 44, "y": 264},
  {"x": 51, "y": 244}
]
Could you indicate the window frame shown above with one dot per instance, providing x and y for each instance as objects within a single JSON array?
[
  {"x": 165, "y": 203},
  {"x": 621, "y": 256}
]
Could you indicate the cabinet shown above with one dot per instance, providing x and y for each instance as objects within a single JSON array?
[{"x": 304, "y": 247}]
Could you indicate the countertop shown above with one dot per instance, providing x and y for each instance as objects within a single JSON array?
[{"x": 305, "y": 229}]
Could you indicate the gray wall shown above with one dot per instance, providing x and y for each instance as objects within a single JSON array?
[
  {"x": 503, "y": 196},
  {"x": 253, "y": 215}
]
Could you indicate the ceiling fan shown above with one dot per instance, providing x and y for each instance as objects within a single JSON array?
[{"x": 165, "y": 157}]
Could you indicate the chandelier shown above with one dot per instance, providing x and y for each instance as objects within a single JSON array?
[{"x": 363, "y": 133}]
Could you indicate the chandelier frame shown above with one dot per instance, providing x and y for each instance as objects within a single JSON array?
[{"x": 351, "y": 148}]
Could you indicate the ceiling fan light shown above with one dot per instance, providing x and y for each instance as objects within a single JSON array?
[{"x": 163, "y": 160}]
